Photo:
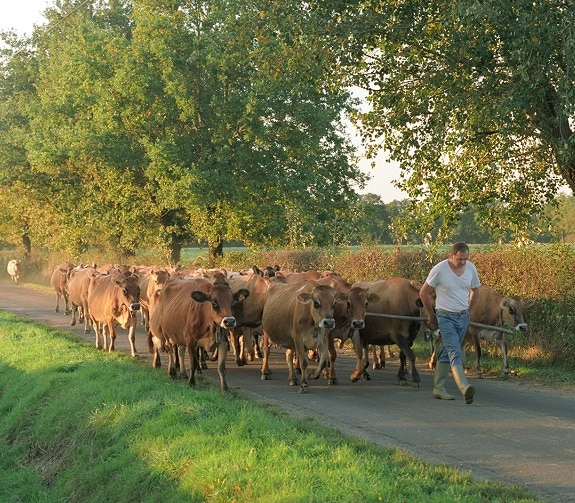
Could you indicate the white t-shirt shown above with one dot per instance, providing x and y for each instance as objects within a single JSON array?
[{"x": 452, "y": 291}]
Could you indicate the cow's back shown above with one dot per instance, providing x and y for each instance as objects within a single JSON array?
[
  {"x": 397, "y": 296},
  {"x": 487, "y": 307},
  {"x": 176, "y": 313},
  {"x": 78, "y": 285},
  {"x": 101, "y": 297}
]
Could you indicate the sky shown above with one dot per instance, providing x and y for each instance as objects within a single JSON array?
[{"x": 22, "y": 15}]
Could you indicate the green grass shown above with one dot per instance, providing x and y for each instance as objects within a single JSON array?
[{"x": 82, "y": 425}]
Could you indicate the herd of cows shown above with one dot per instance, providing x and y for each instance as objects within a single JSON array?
[{"x": 203, "y": 312}]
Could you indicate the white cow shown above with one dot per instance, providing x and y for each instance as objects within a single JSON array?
[{"x": 14, "y": 270}]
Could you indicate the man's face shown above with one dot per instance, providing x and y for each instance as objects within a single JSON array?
[{"x": 459, "y": 259}]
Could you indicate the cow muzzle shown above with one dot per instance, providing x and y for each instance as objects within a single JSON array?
[
  {"x": 521, "y": 326},
  {"x": 134, "y": 306},
  {"x": 357, "y": 324},
  {"x": 327, "y": 323},
  {"x": 228, "y": 322}
]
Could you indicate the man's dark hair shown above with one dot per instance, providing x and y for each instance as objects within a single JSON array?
[{"x": 459, "y": 247}]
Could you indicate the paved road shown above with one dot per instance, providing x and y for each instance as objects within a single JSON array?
[{"x": 513, "y": 433}]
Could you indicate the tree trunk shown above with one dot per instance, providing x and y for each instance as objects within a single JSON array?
[
  {"x": 175, "y": 253},
  {"x": 27, "y": 242},
  {"x": 216, "y": 250}
]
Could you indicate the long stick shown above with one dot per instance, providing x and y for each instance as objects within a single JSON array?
[{"x": 421, "y": 318}]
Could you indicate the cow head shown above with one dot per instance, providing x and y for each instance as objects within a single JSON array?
[
  {"x": 322, "y": 299},
  {"x": 357, "y": 302},
  {"x": 511, "y": 312},
  {"x": 130, "y": 287},
  {"x": 221, "y": 298}
]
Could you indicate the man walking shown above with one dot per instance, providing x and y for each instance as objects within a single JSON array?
[{"x": 455, "y": 282}]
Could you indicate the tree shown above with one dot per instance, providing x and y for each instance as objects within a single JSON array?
[
  {"x": 155, "y": 124},
  {"x": 475, "y": 100}
]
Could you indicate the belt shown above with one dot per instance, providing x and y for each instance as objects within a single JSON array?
[{"x": 464, "y": 311}]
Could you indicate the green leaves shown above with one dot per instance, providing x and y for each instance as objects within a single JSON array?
[{"x": 475, "y": 100}]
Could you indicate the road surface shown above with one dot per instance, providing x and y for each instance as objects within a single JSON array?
[{"x": 513, "y": 433}]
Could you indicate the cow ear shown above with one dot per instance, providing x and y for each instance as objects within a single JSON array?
[
  {"x": 199, "y": 296},
  {"x": 340, "y": 297},
  {"x": 528, "y": 303},
  {"x": 304, "y": 297},
  {"x": 505, "y": 302},
  {"x": 242, "y": 294},
  {"x": 373, "y": 297}
]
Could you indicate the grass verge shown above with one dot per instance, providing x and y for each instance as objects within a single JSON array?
[{"x": 81, "y": 425}]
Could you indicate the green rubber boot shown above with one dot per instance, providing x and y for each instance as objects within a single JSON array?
[
  {"x": 441, "y": 373},
  {"x": 466, "y": 389}
]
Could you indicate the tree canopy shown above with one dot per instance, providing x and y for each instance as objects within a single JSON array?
[
  {"x": 153, "y": 123},
  {"x": 474, "y": 99}
]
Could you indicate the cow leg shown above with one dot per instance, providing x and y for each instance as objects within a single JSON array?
[
  {"x": 256, "y": 343},
  {"x": 57, "y": 302},
  {"x": 330, "y": 370},
  {"x": 378, "y": 356},
  {"x": 112, "y": 334},
  {"x": 132, "y": 336},
  {"x": 301, "y": 354},
  {"x": 409, "y": 355},
  {"x": 503, "y": 344},
  {"x": 66, "y": 303},
  {"x": 154, "y": 345},
  {"x": 477, "y": 345},
  {"x": 98, "y": 342},
  {"x": 358, "y": 347},
  {"x": 222, "y": 355},
  {"x": 86, "y": 320},
  {"x": 181, "y": 350},
  {"x": 265, "y": 370},
  {"x": 74, "y": 308},
  {"x": 237, "y": 343},
  {"x": 292, "y": 379},
  {"x": 172, "y": 351},
  {"x": 326, "y": 359}
]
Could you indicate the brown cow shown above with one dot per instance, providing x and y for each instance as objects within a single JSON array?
[
  {"x": 193, "y": 313},
  {"x": 114, "y": 300},
  {"x": 59, "y": 282},
  {"x": 248, "y": 316},
  {"x": 151, "y": 279},
  {"x": 495, "y": 310},
  {"x": 400, "y": 297},
  {"x": 299, "y": 317},
  {"x": 348, "y": 317},
  {"x": 78, "y": 294}
]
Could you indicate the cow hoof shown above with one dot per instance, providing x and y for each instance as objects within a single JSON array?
[
  {"x": 365, "y": 376},
  {"x": 332, "y": 381},
  {"x": 293, "y": 382},
  {"x": 414, "y": 385},
  {"x": 402, "y": 382},
  {"x": 302, "y": 389},
  {"x": 265, "y": 377}
]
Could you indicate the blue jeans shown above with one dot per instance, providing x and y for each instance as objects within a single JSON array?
[{"x": 452, "y": 327}]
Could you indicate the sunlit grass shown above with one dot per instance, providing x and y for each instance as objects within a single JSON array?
[{"x": 78, "y": 424}]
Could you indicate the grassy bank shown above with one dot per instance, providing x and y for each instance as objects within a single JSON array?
[{"x": 81, "y": 425}]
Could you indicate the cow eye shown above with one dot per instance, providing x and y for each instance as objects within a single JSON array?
[
  {"x": 316, "y": 304},
  {"x": 215, "y": 305},
  {"x": 125, "y": 292},
  {"x": 512, "y": 310}
]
